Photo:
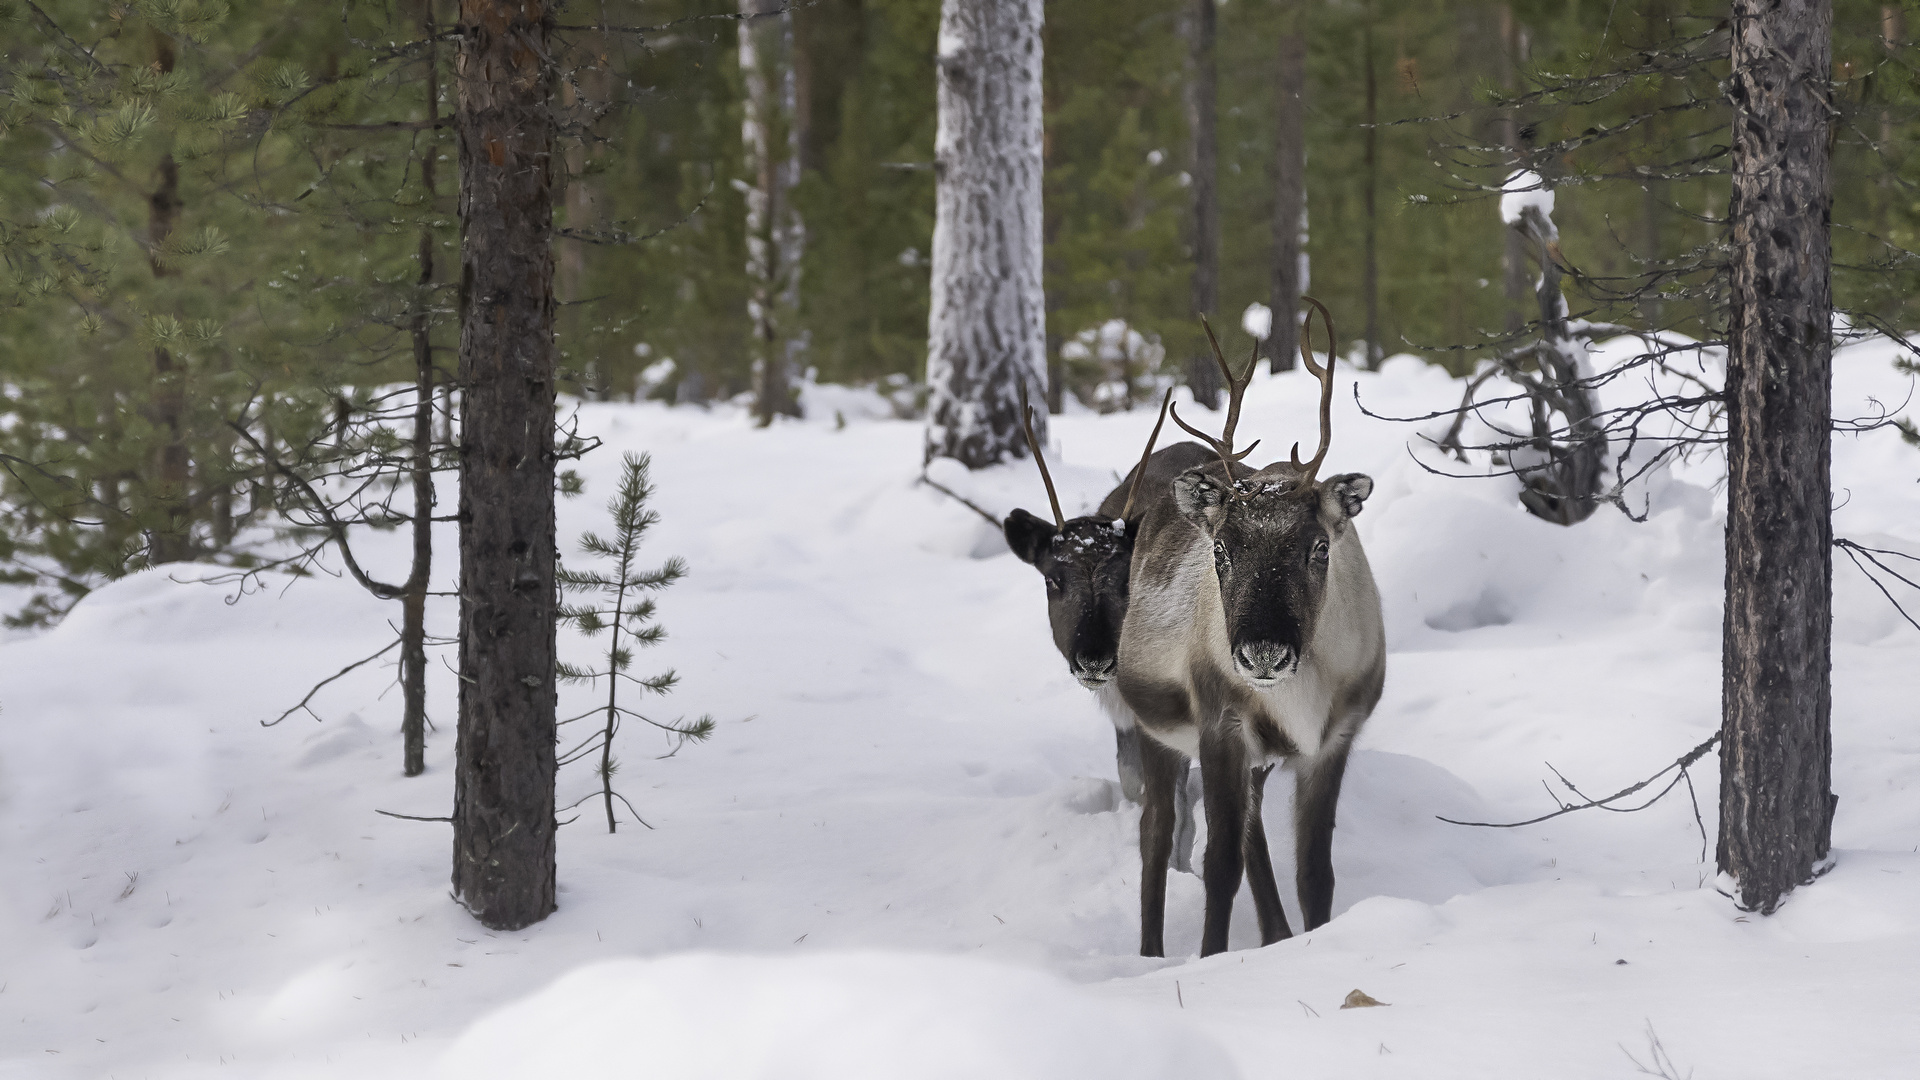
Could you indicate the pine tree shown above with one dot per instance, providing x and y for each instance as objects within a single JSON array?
[
  {"x": 623, "y": 611},
  {"x": 503, "y": 824}
]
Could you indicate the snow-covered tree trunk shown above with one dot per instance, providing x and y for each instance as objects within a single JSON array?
[
  {"x": 1776, "y": 749},
  {"x": 775, "y": 236},
  {"x": 986, "y": 329},
  {"x": 1289, "y": 277},
  {"x": 1564, "y": 487}
]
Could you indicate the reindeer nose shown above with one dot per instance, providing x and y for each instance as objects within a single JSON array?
[
  {"x": 1092, "y": 669},
  {"x": 1264, "y": 661}
]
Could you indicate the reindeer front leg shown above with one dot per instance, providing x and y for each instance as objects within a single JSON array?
[
  {"x": 1161, "y": 769},
  {"x": 1227, "y": 782},
  {"x": 1316, "y": 793},
  {"x": 1266, "y": 891}
]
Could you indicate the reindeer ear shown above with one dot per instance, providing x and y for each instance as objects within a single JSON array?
[
  {"x": 1342, "y": 496},
  {"x": 1199, "y": 498},
  {"x": 1027, "y": 535}
]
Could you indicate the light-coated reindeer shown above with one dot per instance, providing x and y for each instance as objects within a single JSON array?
[{"x": 1253, "y": 636}]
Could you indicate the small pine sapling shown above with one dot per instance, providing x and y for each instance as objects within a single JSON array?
[{"x": 618, "y": 604}]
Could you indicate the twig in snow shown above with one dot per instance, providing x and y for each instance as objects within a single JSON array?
[
  {"x": 1659, "y": 1062},
  {"x": 1682, "y": 764},
  {"x": 961, "y": 499},
  {"x": 412, "y": 817},
  {"x": 395, "y": 643}
]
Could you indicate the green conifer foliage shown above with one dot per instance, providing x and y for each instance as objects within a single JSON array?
[{"x": 619, "y": 606}]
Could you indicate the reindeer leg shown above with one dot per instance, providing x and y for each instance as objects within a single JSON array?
[
  {"x": 1186, "y": 793},
  {"x": 1316, "y": 791},
  {"x": 1266, "y": 892},
  {"x": 1161, "y": 768},
  {"x": 1223, "y": 770},
  {"x": 1126, "y": 756}
]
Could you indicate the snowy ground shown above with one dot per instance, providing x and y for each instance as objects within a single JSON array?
[{"x": 900, "y": 853}]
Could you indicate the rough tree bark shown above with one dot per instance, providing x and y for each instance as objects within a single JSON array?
[
  {"x": 1203, "y": 160},
  {"x": 770, "y": 132},
  {"x": 1289, "y": 194},
  {"x": 987, "y": 326},
  {"x": 1776, "y": 798},
  {"x": 503, "y": 824}
]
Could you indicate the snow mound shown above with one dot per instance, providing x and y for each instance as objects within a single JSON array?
[{"x": 837, "y": 1016}]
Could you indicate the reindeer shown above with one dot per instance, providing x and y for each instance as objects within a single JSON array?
[
  {"x": 1253, "y": 636},
  {"x": 1086, "y": 562}
]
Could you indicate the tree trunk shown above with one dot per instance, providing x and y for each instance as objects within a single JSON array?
[
  {"x": 1776, "y": 798},
  {"x": 1513, "y": 260},
  {"x": 1565, "y": 489},
  {"x": 774, "y": 233},
  {"x": 172, "y": 537},
  {"x": 1370, "y": 266},
  {"x": 1203, "y": 377},
  {"x": 413, "y": 605},
  {"x": 986, "y": 328},
  {"x": 503, "y": 827},
  {"x": 1289, "y": 195}
]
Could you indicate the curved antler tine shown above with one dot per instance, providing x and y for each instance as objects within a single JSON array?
[
  {"x": 1219, "y": 357},
  {"x": 1026, "y": 425},
  {"x": 1174, "y": 411},
  {"x": 1325, "y": 375},
  {"x": 1141, "y": 471}
]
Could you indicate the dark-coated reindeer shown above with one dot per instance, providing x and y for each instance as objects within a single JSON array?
[
  {"x": 1253, "y": 636},
  {"x": 1086, "y": 563}
]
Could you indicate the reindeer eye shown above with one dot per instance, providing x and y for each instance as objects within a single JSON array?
[
  {"x": 1320, "y": 551},
  {"x": 1220, "y": 559}
]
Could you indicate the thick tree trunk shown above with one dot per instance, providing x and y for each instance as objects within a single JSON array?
[
  {"x": 1370, "y": 266},
  {"x": 1776, "y": 798},
  {"x": 771, "y": 136},
  {"x": 1203, "y": 159},
  {"x": 413, "y": 605},
  {"x": 986, "y": 329},
  {"x": 503, "y": 827},
  {"x": 1289, "y": 195}
]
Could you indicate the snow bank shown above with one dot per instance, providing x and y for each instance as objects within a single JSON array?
[
  {"x": 903, "y": 764},
  {"x": 838, "y": 1016}
]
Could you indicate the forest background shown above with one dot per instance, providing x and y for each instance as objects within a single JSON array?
[{"x": 231, "y": 242}]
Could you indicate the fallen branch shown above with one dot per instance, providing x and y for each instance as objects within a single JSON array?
[
  {"x": 323, "y": 682},
  {"x": 1681, "y": 765},
  {"x": 412, "y": 817},
  {"x": 959, "y": 498}
]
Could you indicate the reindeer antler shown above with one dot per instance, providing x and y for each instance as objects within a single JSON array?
[
  {"x": 1165, "y": 403},
  {"x": 1026, "y": 425},
  {"x": 1236, "y": 389},
  {"x": 1325, "y": 375}
]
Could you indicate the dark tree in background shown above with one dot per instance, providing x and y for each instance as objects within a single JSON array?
[
  {"x": 503, "y": 823},
  {"x": 1776, "y": 800},
  {"x": 1203, "y": 156},
  {"x": 1289, "y": 191}
]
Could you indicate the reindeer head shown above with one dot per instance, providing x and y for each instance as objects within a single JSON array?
[
  {"x": 1272, "y": 532},
  {"x": 1085, "y": 561}
]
